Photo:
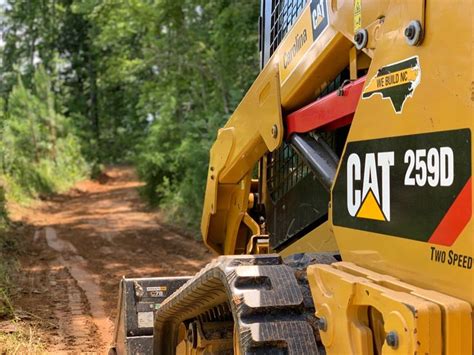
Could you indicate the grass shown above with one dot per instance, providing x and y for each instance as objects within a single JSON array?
[
  {"x": 22, "y": 339},
  {"x": 16, "y": 336},
  {"x": 8, "y": 253}
]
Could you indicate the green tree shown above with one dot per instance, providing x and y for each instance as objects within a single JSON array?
[
  {"x": 39, "y": 152},
  {"x": 205, "y": 56},
  {"x": 137, "y": 80}
]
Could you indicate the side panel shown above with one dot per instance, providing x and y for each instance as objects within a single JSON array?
[
  {"x": 402, "y": 201},
  {"x": 319, "y": 240}
]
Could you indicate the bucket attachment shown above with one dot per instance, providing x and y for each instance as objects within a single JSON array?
[{"x": 138, "y": 299}]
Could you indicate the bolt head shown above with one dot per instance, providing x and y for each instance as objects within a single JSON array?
[
  {"x": 358, "y": 37},
  {"x": 322, "y": 324},
  {"x": 392, "y": 339},
  {"x": 274, "y": 131},
  {"x": 410, "y": 32},
  {"x": 413, "y": 33}
]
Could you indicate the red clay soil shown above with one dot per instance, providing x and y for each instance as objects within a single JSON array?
[{"x": 78, "y": 246}]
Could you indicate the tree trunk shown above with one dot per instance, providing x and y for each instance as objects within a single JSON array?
[{"x": 93, "y": 100}]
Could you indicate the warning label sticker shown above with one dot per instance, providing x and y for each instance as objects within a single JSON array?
[
  {"x": 156, "y": 291},
  {"x": 145, "y": 319},
  {"x": 357, "y": 15},
  {"x": 395, "y": 82}
]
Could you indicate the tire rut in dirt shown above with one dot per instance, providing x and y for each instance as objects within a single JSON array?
[
  {"x": 75, "y": 327},
  {"x": 84, "y": 281},
  {"x": 50, "y": 300}
]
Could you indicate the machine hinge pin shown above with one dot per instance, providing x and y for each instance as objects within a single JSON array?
[
  {"x": 361, "y": 38},
  {"x": 392, "y": 339}
]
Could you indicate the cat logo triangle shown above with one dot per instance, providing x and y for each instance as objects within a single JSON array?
[{"x": 370, "y": 208}]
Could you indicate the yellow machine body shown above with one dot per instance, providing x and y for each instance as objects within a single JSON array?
[
  {"x": 401, "y": 204},
  {"x": 371, "y": 250},
  {"x": 441, "y": 102}
]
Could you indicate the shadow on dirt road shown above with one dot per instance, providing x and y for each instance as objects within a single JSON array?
[{"x": 78, "y": 246}]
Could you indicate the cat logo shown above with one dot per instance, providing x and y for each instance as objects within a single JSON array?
[
  {"x": 417, "y": 187},
  {"x": 319, "y": 17},
  {"x": 368, "y": 186},
  {"x": 317, "y": 14}
]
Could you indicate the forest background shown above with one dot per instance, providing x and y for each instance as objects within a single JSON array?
[{"x": 84, "y": 84}]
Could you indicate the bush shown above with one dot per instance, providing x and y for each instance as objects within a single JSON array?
[
  {"x": 9, "y": 250},
  {"x": 196, "y": 91},
  {"x": 39, "y": 153},
  {"x": 3, "y": 206}
]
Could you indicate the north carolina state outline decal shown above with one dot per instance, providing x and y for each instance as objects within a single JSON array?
[{"x": 395, "y": 82}]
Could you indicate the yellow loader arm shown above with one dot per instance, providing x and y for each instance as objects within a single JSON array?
[
  {"x": 374, "y": 99},
  {"x": 255, "y": 128}
]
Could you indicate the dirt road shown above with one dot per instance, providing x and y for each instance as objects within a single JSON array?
[{"x": 78, "y": 246}]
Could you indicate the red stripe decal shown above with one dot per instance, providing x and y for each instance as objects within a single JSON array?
[{"x": 455, "y": 219}]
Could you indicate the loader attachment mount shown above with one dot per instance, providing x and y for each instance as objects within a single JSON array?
[{"x": 138, "y": 300}]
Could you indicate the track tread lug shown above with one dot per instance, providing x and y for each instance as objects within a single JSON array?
[{"x": 266, "y": 300}]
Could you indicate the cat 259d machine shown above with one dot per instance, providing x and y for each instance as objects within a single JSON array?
[{"x": 356, "y": 235}]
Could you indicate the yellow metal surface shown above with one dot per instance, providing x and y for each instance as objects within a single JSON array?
[
  {"x": 317, "y": 63},
  {"x": 318, "y": 240},
  {"x": 294, "y": 46},
  {"x": 239, "y": 145},
  {"x": 347, "y": 19},
  {"x": 360, "y": 303},
  {"x": 456, "y": 314},
  {"x": 258, "y": 244},
  {"x": 203, "y": 345},
  {"x": 424, "y": 322},
  {"x": 442, "y": 102},
  {"x": 311, "y": 72}
]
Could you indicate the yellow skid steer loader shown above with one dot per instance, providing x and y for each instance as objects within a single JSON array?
[{"x": 356, "y": 235}]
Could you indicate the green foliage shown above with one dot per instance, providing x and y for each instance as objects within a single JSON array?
[
  {"x": 200, "y": 79},
  {"x": 138, "y": 81},
  {"x": 23, "y": 338},
  {"x": 39, "y": 153},
  {"x": 3, "y": 208},
  {"x": 170, "y": 74},
  {"x": 9, "y": 250}
]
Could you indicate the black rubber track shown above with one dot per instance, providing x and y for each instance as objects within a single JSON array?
[{"x": 266, "y": 299}]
